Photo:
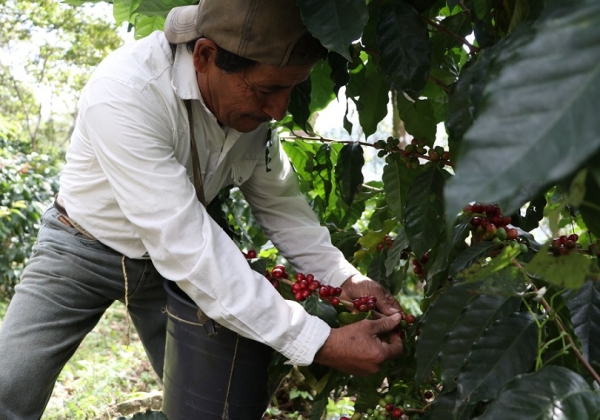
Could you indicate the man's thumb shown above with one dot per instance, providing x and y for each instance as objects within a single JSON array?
[{"x": 388, "y": 323}]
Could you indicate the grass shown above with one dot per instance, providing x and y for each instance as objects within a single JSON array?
[{"x": 103, "y": 372}]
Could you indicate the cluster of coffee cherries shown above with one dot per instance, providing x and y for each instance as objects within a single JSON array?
[
  {"x": 365, "y": 303},
  {"x": 412, "y": 152},
  {"x": 564, "y": 244},
  {"x": 306, "y": 284},
  {"x": 418, "y": 265},
  {"x": 489, "y": 222},
  {"x": 417, "y": 149},
  {"x": 386, "y": 242},
  {"x": 388, "y": 408}
]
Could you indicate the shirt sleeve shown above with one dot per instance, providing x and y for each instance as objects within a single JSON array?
[
  {"x": 133, "y": 140},
  {"x": 290, "y": 223}
]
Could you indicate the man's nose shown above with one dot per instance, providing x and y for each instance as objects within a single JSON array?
[{"x": 276, "y": 104}]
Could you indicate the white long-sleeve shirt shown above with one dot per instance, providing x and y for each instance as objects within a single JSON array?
[{"x": 128, "y": 180}]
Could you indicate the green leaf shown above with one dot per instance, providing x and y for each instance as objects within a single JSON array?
[
  {"x": 145, "y": 25},
  {"x": 372, "y": 102},
  {"x": 150, "y": 415},
  {"x": 324, "y": 310},
  {"x": 318, "y": 407},
  {"x": 393, "y": 256},
  {"x": 348, "y": 171},
  {"x": 537, "y": 112},
  {"x": 440, "y": 319},
  {"x": 448, "y": 407},
  {"x": 476, "y": 317},
  {"x": 471, "y": 255},
  {"x": 419, "y": 118},
  {"x": 507, "y": 281},
  {"x": 494, "y": 265},
  {"x": 372, "y": 238},
  {"x": 533, "y": 214},
  {"x": 507, "y": 348},
  {"x": 80, "y": 2},
  {"x": 590, "y": 207},
  {"x": 160, "y": 8},
  {"x": 465, "y": 98},
  {"x": 403, "y": 43},
  {"x": 370, "y": 30},
  {"x": 551, "y": 393},
  {"x": 585, "y": 317},
  {"x": 339, "y": 71},
  {"x": 396, "y": 178},
  {"x": 376, "y": 270},
  {"x": 346, "y": 241},
  {"x": 520, "y": 13},
  {"x": 299, "y": 105},
  {"x": 123, "y": 10},
  {"x": 259, "y": 265},
  {"x": 569, "y": 270},
  {"x": 449, "y": 245},
  {"x": 321, "y": 93},
  {"x": 441, "y": 43},
  {"x": 347, "y": 318},
  {"x": 424, "y": 210},
  {"x": 336, "y": 23}
]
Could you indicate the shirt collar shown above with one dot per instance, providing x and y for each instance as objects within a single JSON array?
[{"x": 185, "y": 85}]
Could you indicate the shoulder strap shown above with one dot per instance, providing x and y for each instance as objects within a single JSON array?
[{"x": 198, "y": 185}]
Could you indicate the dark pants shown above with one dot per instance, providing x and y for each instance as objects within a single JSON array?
[{"x": 67, "y": 285}]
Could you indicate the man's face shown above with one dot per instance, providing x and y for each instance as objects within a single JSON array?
[{"x": 248, "y": 98}]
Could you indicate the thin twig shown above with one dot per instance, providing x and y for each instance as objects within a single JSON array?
[
  {"x": 576, "y": 351},
  {"x": 325, "y": 140},
  {"x": 562, "y": 329},
  {"x": 439, "y": 83},
  {"x": 417, "y": 410},
  {"x": 472, "y": 48},
  {"x": 465, "y": 8}
]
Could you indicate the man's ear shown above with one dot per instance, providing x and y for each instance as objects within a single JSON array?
[{"x": 205, "y": 52}]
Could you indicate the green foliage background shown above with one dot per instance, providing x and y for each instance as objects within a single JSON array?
[{"x": 515, "y": 86}]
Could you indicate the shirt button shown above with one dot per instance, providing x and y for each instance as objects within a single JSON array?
[{"x": 240, "y": 179}]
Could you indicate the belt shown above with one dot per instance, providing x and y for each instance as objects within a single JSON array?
[{"x": 66, "y": 220}]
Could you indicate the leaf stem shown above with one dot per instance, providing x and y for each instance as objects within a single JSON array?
[
  {"x": 576, "y": 351},
  {"x": 439, "y": 83},
  {"x": 417, "y": 410},
  {"x": 562, "y": 329},
  {"x": 472, "y": 48}
]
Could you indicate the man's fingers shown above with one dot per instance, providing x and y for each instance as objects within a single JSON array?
[
  {"x": 387, "y": 323},
  {"x": 388, "y": 304}
]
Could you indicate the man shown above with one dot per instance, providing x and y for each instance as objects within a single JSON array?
[{"x": 127, "y": 215}]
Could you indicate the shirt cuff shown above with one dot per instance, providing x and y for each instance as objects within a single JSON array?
[
  {"x": 340, "y": 274},
  {"x": 302, "y": 349}
]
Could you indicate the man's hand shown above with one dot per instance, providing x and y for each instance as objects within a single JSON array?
[
  {"x": 358, "y": 349},
  {"x": 359, "y": 285}
]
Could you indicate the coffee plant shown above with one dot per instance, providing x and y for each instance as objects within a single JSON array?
[
  {"x": 28, "y": 182},
  {"x": 490, "y": 223}
]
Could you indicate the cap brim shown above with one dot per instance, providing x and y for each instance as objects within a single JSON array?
[{"x": 180, "y": 25}]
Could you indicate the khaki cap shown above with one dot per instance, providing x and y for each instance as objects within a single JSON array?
[{"x": 267, "y": 31}]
